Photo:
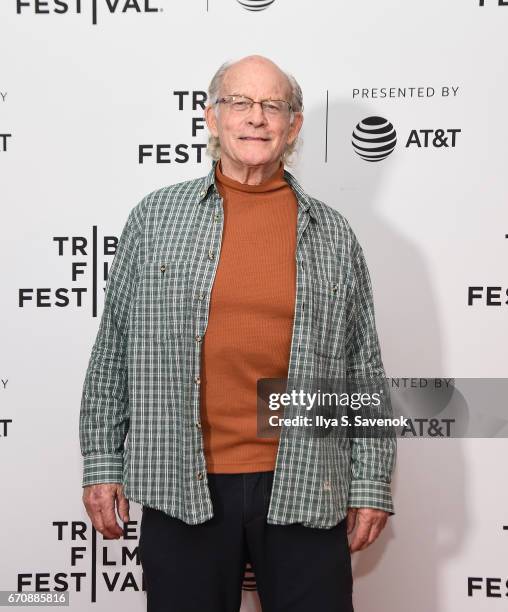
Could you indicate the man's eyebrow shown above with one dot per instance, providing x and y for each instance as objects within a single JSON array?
[{"x": 274, "y": 97}]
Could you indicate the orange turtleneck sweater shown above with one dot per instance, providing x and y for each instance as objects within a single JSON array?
[{"x": 250, "y": 320}]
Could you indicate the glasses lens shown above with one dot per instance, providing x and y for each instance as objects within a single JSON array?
[
  {"x": 275, "y": 107},
  {"x": 239, "y": 103}
]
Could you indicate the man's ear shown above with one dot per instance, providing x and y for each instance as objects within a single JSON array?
[
  {"x": 295, "y": 127},
  {"x": 211, "y": 120}
]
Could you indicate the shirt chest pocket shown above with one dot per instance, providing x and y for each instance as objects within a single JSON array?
[
  {"x": 330, "y": 306},
  {"x": 162, "y": 299}
]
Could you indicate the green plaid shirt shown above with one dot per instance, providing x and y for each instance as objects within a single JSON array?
[{"x": 140, "y": 409}]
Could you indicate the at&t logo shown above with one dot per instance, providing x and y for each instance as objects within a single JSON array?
[
  {"x": 255, "y": 5},
  {"x": 375, "y": 138}
]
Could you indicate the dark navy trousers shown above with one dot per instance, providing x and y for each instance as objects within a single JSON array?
[{"x": 200, "y": 568}]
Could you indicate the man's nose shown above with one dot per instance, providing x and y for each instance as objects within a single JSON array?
[{"x": 256, "y": 115}]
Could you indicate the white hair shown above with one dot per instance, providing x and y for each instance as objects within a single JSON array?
[{"x": 295, "y": 99}]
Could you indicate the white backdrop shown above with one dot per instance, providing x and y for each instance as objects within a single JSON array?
[{"x": 87, "y": 96}]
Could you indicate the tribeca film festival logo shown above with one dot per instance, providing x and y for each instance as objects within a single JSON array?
[
  {"x": 4, "y": 136},
  {"x": 487, "y": 295},
  {"x": 4, "y": 423},
  {"x": 83, "y": 254},
  {"x": 109, "y": 566},
  {"x": 181, "y": 153},
  {"x": 488, "y": 587},
  {"x": 96, "y": 8},
  {"x": 374, "y": 138}
]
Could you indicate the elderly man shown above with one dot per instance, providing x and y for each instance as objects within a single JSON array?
[{"x": 219, "y": 282}]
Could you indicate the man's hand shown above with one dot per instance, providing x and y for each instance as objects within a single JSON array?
[
  {"x": 99, "y": 500},
  {"x": 369, "y": 524}
]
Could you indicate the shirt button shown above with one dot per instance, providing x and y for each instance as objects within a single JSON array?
[
  {"x": 334, "y": 287},
  {"x": 201, "y": 296},
  {"x": 210, "y": 254},
  {"x": 202, "y": 193},
  {"x": 327, "y": 485},
  {"x": 197, "y": 380},
  {"x": 198, "y": 424},
  {"x": 199, "y": 475},
  {"x": 216, "y": 216},
  {"x": 198, "y": 338},
  {"x": 163, "y": 268}
]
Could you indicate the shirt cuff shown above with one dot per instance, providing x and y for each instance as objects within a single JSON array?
[
  {"x": 102, "y": 468},
  {"x": 371, "y": 494}
]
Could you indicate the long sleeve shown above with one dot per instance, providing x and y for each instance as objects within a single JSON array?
[
  {"x": 104, "y": 414},
  {"x": 373, "y": 456}
]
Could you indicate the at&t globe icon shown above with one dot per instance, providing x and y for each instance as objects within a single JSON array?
[
  {"x": 255, "y": 5},
  {"x": 374, "y": 139}
]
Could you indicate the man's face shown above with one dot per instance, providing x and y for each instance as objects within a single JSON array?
[{"x": 253, "y": 137}]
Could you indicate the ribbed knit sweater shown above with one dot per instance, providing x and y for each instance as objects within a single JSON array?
[{"x": 250, "y": 320}]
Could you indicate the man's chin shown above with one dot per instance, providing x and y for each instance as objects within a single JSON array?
[{"x": 256, "y": 160}]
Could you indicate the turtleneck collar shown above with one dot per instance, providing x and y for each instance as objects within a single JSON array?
[{"x": 276, "y": 181}]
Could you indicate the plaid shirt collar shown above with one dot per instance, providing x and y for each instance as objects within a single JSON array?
[{"x": 304, "y": 201}]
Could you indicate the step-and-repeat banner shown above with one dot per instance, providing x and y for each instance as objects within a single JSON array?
[{"x": 101, "y": 102}]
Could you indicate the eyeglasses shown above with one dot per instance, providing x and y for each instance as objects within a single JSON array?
[{"x": 242, "y": 104}]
